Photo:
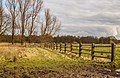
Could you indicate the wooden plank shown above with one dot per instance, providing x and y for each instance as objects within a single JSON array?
[
  {"x": 62, "y": 46},
  {"x": 86, "y": 49},
  {"x": 68, "y": 50},
  {"x": 85, "y": 53},
  {"x": 102, "y": 52},
  {"x": 75, "y": 48},
  {"x": 117, "y": 46},
  {"x": 74, "y": 52},
  {"x": 68, "y": 46},
  {"x": 86, "y": 44},
  {"x": 102, "y": 46},
  {"x": 101, "y": 57}
]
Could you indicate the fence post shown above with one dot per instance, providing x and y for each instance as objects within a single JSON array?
[
  {"x": 56, "y": 46},
  {"x": 92, "y": 51},
  {"x": 65, "y": 48},
  {"x": 40, "y": 45},
  {"x": 25, "y": 44},
  {"x": 47, "y": 45},
  {"x": 112, "y": 52},
  {"x": 60, "y": 47},
  {"x": 80, "y": 49},
  {"x": 50, "y": 45},
  {"x": 71, "y": 47},
  {"x": 44, "y": 45},
  {"x": 53, "y": 46}
]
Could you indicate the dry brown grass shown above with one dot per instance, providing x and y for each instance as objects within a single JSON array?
[{"x": 8, "y": 52}]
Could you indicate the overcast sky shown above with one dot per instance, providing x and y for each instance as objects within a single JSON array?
[{"x": 87, "y": 17}]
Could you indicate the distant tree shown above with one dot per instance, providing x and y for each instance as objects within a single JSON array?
[
  {"x": 71, "y": 39},
  {"x": 51, "y": 25}
]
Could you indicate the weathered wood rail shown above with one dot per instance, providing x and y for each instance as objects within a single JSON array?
[{"x": 84, "y": 49}]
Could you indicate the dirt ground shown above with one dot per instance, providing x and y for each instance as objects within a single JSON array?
[{"x": 73, "y": 71}]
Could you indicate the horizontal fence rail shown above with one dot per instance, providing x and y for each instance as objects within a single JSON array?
[{"x": 84, "y": 49}]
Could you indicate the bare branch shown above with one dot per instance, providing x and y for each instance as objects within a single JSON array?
[{"x": 52, "y": 24}]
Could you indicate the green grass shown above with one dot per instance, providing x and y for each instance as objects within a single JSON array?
[
  {"x": 38, "y": 57},
  {"x": 32, "y": 57},
  {"x": 100, "y": 49},
  {"x": 28, "y": 61}
]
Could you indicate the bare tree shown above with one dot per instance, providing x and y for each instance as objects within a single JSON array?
[
  {"x": 36, "y": 8},
  {"x": 4, "y": 20},
  {"x": 50, "y": 26},
  {"x": 12, "y": 8},
  {"x": 1, "y": 14},
  {"x": 24, "y": 6},
  {"x": 23, "y": 15}
]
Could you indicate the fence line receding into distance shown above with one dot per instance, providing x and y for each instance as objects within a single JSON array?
[{"x": 92, "y": 50}]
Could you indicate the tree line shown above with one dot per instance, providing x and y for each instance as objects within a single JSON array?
[
  {"x": 87, "y": 39},
  {"x": 61, "y": 39},
  {"x": 24, "y": 19}
]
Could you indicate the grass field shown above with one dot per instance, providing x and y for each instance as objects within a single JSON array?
[
  {"x": 16, "y": 59},
  {"x": 24, "y": 60},
  {"x": 12, "y": 56}
]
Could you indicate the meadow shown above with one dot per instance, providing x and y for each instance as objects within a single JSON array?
[{"x": 33, "y": 62}]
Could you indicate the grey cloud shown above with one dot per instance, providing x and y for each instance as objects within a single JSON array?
[
  {"x": 87, "y": 17},
  {"x": 103, "y": 19}
]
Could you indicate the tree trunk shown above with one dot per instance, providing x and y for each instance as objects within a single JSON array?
[
  {"x": 13, "y": 30},
  {"x": 23, "y": 30}
]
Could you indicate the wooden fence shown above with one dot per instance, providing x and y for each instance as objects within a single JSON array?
[{"x": 79, "y": 49}]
